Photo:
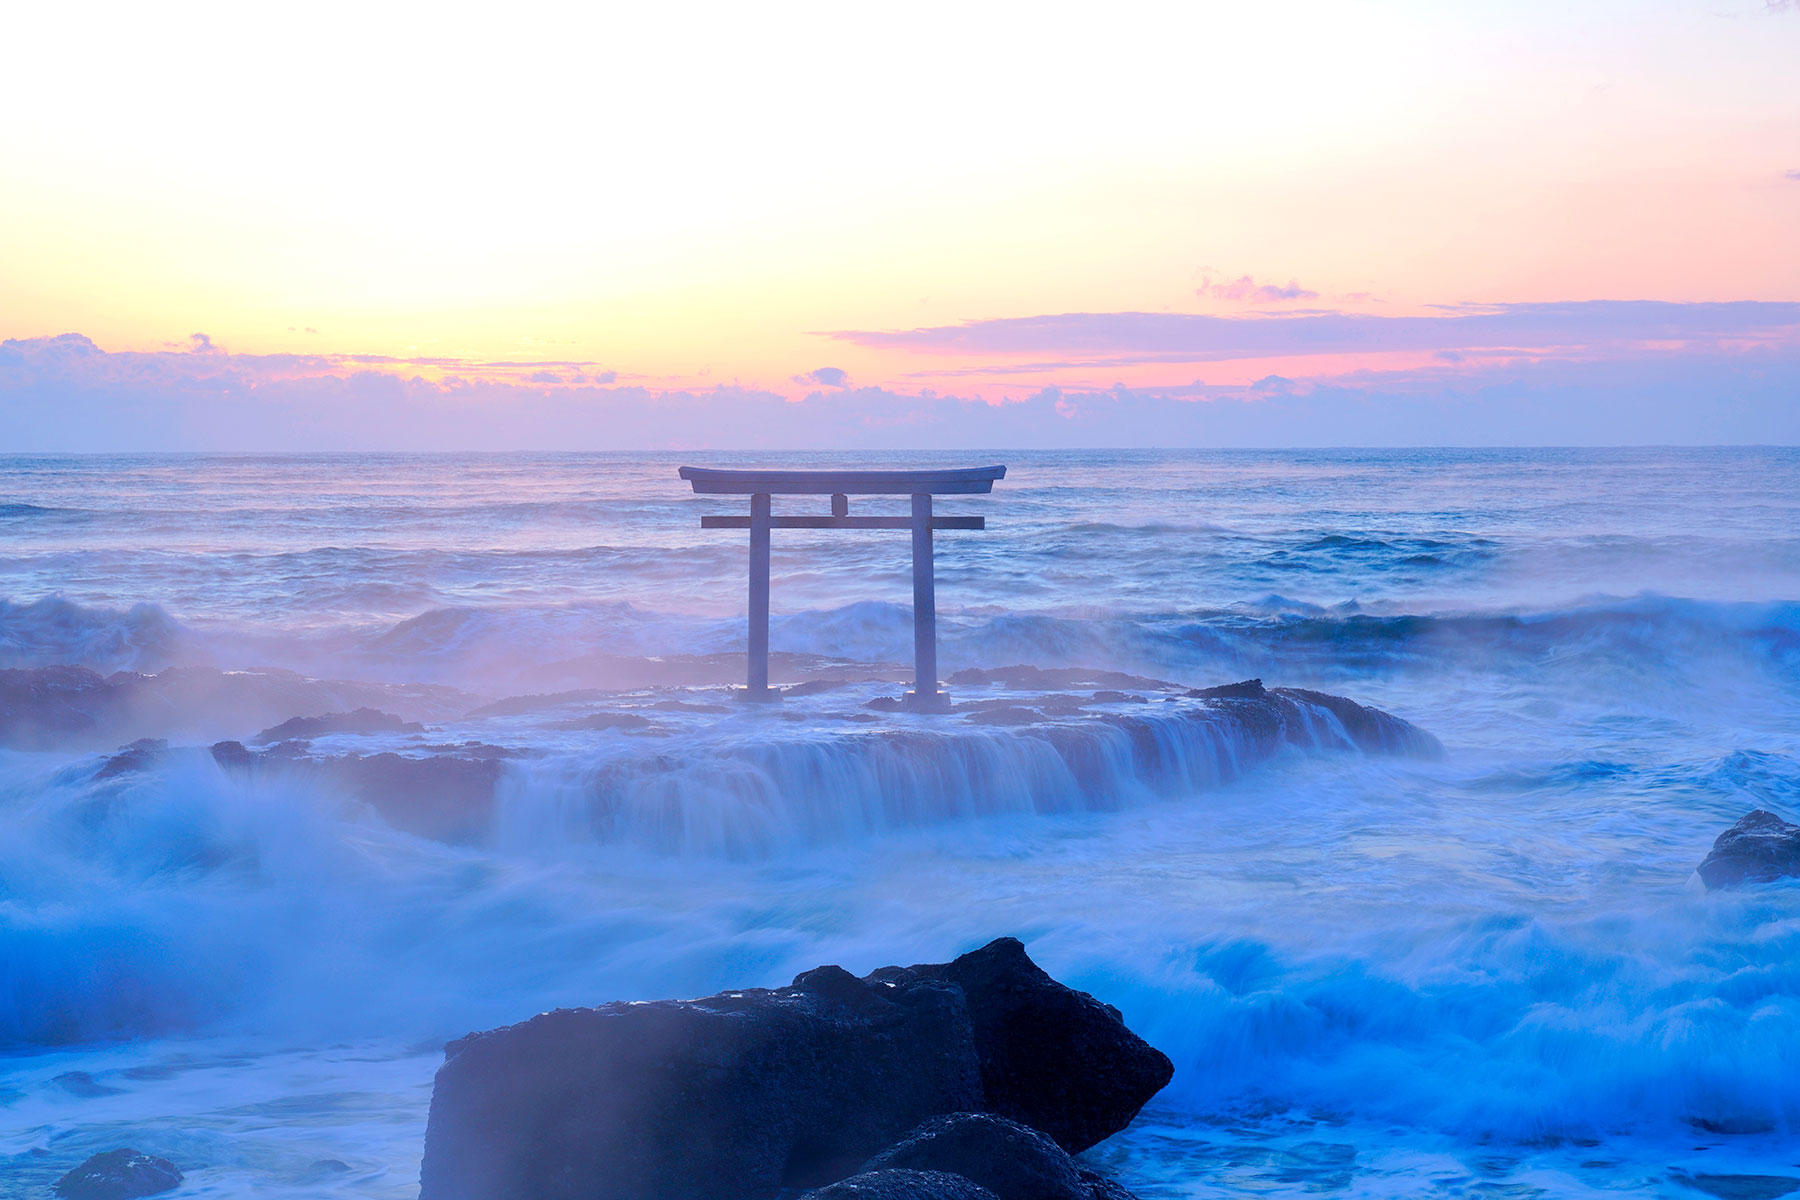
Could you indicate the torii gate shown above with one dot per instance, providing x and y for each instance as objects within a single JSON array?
[{"x": 840, "y": 486}]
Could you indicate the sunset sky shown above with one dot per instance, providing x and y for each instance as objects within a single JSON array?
[{"x": 434, "y": 226}]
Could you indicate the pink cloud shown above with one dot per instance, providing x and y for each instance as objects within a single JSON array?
[
  {"x": 1246, "y": 290},
  {"x": 67, "y": 394}
]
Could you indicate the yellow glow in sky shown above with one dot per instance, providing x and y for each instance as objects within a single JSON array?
[{"x": 692, "y": 192}]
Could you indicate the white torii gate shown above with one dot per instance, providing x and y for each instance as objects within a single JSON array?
[{"x": 760, "y": 486}]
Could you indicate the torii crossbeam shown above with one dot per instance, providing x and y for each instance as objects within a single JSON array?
[{"x": 760, "y": 486}]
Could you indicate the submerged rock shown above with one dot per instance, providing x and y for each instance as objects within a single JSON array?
[
  {"x": 1761, "y": 847},
  {"x": 1052, "y": 1058},
  {"x": 1291, "y": 713},
  {"x": 118, "y": 1175},
  {"x": 141, "y": 755},
  {"x": 448, "y": 795},
  {"x": 362, "y": 720},
  {"x": 902, "y": 1185},
  {"x": 739, "y": 1095},
  {"x": 1006, "y": 1158}
]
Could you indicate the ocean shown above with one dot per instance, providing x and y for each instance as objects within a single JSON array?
[{"x": 1489, "y": 973}]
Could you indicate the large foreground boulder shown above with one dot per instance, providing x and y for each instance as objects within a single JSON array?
[
  {"x": 1052, "y": 1058},
  {"x": 737, "y": 1096},
  {"x": 1759, "y": 848},
  {"x": 728, "y": 1098}
]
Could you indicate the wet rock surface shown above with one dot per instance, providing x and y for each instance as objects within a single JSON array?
[
  {"x": 741, "y": 1095},
  {"x": 902, "y": 1185},
  {"x": 1052, "y": 1058},
  {"x": 118, "y": 1175},
  {"x": 1760, "y": 848},
  {"x": 1007, "y": 1158}
]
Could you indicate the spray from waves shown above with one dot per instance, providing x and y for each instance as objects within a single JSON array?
[
  {"x": 54, "y": 631},
  {"x": 1678, "y": 1015},
  {"x": 168, "y": 898},
  {"x": 511, "y": 649},
  {"x": 183, "y": 901}
]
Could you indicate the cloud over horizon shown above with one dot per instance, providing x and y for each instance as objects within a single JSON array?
[
  {"x": 65, "y": 393},
  {"x": 1198, "y": 337}
]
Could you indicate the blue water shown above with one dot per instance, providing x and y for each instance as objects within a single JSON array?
[{"x": 1490, "y": 974}]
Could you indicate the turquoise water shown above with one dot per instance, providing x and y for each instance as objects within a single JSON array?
[{"x": 1491, "y": 974}]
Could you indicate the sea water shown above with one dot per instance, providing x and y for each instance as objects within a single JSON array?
[{"x": 1487, "y": 974}]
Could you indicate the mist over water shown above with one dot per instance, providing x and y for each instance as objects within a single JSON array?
[{"x": 1489, "y": 973}]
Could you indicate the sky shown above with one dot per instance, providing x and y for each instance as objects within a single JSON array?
[{"x": 388, "y": 226}]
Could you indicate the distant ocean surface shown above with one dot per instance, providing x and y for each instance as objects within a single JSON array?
[{"x": 1492, "y": 974}]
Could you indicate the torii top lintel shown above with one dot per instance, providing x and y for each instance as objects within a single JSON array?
[
  {"x": 762, "y": 485},
  {"x": 960, "y": 482}
]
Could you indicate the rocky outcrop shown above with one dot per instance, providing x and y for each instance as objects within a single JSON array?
[
  {"x": 1006, "y": 1158},
  {"x": 118, "y": 1175},
  {"x": 1290, "y": 713},
  {"x": 1761, "y": 847},
  {"x": 740, "y": 1095},
  {"x": 1052, "y": 1058}
]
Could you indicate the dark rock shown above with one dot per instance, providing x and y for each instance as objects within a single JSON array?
[
  {"x": 607, "y": 720},
  {"x": 443, "y": 796},
  {"x": 1249, "y": 689},
  {"x": 902, "y": 1185},
  {"x": 1051, "y": 1057},
  {"x": 118, "y": 1175},
  {"x": 449, "y": 797},
  {"x": 1308, "y": 718},
  {"x": 1107, "y": 696},
  {"x": 1006, "y": 1158},
  {"x": 1761, "y": 847},
  {"x": 234, "y": 755},
  {"x": 141, "y": 755},
  {"x": 1370, "y": 729},
  {"x": 474, "y": 749},
  {"x": 362, "y": 720},
  {"x": 1741, "y": 1187},
  {"x": 727, "y": 1098}
]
